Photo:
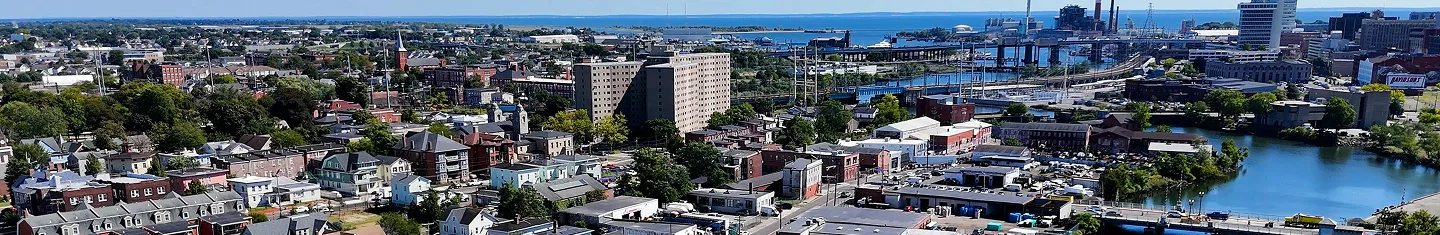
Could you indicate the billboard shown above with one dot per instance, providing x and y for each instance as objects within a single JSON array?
[{"x": 1405, "y": 81}]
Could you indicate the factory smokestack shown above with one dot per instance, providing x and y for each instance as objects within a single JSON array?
[
  {"x": 1098, "y": 9},
  {"x": 1113, "y": 24}
]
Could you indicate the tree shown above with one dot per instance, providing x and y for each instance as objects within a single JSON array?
[
  {"x": 718, "y": 119},
  {"x": 1142, "y": 114},
  {"x": 888, "y": 110},
  {"x": 660, "y": 129},
  {"x": 153, "y": 104},
  {"x": 1163, "y": 129},
  {"x": 287, "y": 138},
  {"x": 832, "y": 121},
  {"x": 106, "y": 136},
  {"x": 353, "y": 90},
  {"x": 257, "y": 217},
  {"x": 116, "y": 57},
  {"x": 23, "y": 160},
  {"x": 594, "y": 196},
  {"x": 656, "y": 176},
  {"x": 612, "y": 129},
  {"x": 380, "y": 138},
  {"x": 180, "y": 136},
  {"x": 1338, "y": 114},
  {"x": 1086, "y": 224},
  {"x": 181, "y": 162},
  {"x": 703, "y": 160},
  {"x": 1259, "y": 104},
  {"x": 1016, "y": 109},
  {"x": 575, "y": 122},
  {"x": 741, "y": 112},
  {"x": 1012, "y": 142},
  {"x": 1321, "y": 66},
  {"x": 29, "y": 121},
  {"x": 235, "y": 113},
  {"x": 1229, "y": 103},
  {"x": 1419, "y": 222},
  {"x": 397, "y": 224},
  {"x": 93, "y": 166},
  {"x": 441, "y": 129},
  {"x": 361, "y": 145},
  {"x": 1293, "y": 92},
  {"x": 293, "y": 106},
  {"x": 430, "y": 209},
  {"x": 195, "y": 188},
  {"x": 764, "y": 106},
  {"x": 521, "y": 203},
  {"x": 797, "y": 133},
  {"x": 157, "y": 169}
]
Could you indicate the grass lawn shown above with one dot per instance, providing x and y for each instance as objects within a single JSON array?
[{"x": 350, "y": 220}]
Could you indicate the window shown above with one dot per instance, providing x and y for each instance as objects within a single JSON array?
[
  {"x": 161, "y": 189},
  {"x": 147, "y": 192},
  {"x": 129, "y": 221},
  {"x": 134, "y": 193},
  {"x": 75, "y": 201}
]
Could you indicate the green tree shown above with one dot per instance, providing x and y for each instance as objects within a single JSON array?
[
  {"x": 832, "y": 121},
  {"x": 1259, "y": 104},
  {"x": 361, "y": 145},
  {"x": 93, "y": 166},
  {"x": 195, "y": 188},
  {"x": 115, "y": 57},
  {"x": 431, "y": 208},
  {"x": 180, "y": 136},
  {"x": 1339, "y": 114},
  {"x": 888, "y": 110},
  {"x": 1293, "y": 92},
  {"x": 1229, "y": 103},
  {"x": 380, "y": 138},
  {"x": 236, "y": 113},
  {"x": 1011, "y": 142},
  {"x": 287, "y": 138},
  {"x": 353, "y": 90},
  {"x": 612, "y": 129},
  {"x": 153, "y": 104},
  {"x": 106, "y": 137},
  {"x": 1162, "y": 129},
  {"x": 1086, "y": 224},
  {"x": 741, "y": 113},
  {"x": 1418, "y": 223},
  {"x": 703, "y": 160},
  {"x": 594, "y": 196},
  {"x": 656, "y": 176},
  {"x": 521, "y": 203},
  {"x": 718, "y": 119},
  {"x": 660, "y": 129},
  {"x": 1016, "y": 109},
  {"x": 796, "y": 133},
  {"x": 157, "y": 169},
  {"x": 764, "y": 106},
  {"x": 441, "y": 129},
  {"x": 1142, "y": 114},
  {"x": 258, "y": 217},
  {"x": 181, "y": 162},
  {"x": 23, "y": 160},
  {"x": 397, "y": 224},
  {"x": 575, "y": 122},
  {"x": 29, "y": 121}
]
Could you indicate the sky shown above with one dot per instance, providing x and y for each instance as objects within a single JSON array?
[{"x": 23, "y": 9}]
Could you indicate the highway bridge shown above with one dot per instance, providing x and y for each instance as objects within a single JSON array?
[
  {"x": 1028, "y": 49},
  {"x": 1155, "y": 217}
]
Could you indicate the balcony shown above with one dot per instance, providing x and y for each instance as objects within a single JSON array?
[{"x": 450, "y": 158}]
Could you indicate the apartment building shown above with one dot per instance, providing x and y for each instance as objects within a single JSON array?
[{"x": 685, "y": 88}]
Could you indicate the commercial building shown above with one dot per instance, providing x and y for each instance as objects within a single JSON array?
[
  {"x": 1379, "y": 35},
  {"x": 983, "y": 176},
  {"x": 1121, "y": 140},
  {"x": 1233, "y": 56},
  {"x": 845, "y": 220},
  {"x": 215, "y": 213},
  {"x": 446, "y": 78},
  {"x": 945, "y": 108},
  {"x": 1262, "y": 21},
  {"x": 729, "y": 201},
  {"x": 1290, "y": 113},
  {"x": 901, "y": 150},
  {"x": 1261, "y": 71},
  {"x": 1185, "y": 91},
  {"x": 1050, "y": 136},
  {"x": 621, "y": 207},
  {"x": 1373, "y": 108},
  {"x": 685, "y": 88},
  {"x": 1349, "y": 23},
  {"x": 440, "y": 158},
  {"x": 1430, "y": 40},
  {"x": 801, "y": 179}
]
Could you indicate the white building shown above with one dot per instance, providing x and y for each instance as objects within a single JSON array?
[
  {"x": 252, "y": 189},
  {"x": 801, "y": 179},
  {"x": 555, "y": 39},
  {"x": 288, "y": 191},
  {"x": 467, "y": 221},
  {"x": 621, "y": 207},
  {"x": 1234, "y": 56},
  {"x": 406, "y": 189},
  {"x": 918, "y": 128},
  {"x": 901, "y": 151},
  {"x": 66, "y": 80},
  {"x": 1262, "y": 21}
]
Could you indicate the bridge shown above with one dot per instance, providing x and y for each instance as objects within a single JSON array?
[
  {"x": 1238, "y": 223},
  {"x": 934, "y": 52}
]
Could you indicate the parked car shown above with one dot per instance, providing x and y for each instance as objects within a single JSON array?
[
  {"x": 1174, "y": 214},
  {"x": 1218, "y": 215}
]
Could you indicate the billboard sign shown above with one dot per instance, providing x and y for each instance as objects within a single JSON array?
[{"x": 1405, "y": 81}]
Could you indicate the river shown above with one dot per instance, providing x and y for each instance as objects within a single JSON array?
[{"x": 1281, "y": 178}]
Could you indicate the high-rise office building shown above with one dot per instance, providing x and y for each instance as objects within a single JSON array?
[
  {"x": 1386, "y": 34},
  {"x": 685, "y": 88},
  {"x": 1349, "y": 23},
  {"x": 1262, "y": 21}
]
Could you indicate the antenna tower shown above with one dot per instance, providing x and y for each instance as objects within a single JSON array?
[{"x": 1150, "y": 27}]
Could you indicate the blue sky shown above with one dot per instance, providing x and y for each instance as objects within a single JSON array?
[{"x": 281, "y": 8}]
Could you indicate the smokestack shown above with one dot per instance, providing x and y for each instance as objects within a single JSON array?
[
  {"x": 1098, "y": 9},
  {"x": 1113, "y": 24}
]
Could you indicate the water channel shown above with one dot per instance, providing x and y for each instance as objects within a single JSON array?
[{"x": 1281, "y": 178}]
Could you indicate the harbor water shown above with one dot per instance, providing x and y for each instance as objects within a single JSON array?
[{"x": 1281, "y": 178}]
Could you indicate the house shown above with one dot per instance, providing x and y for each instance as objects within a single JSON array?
[
  {"x": 253, "y": 190},
  {"x": 283, "y": 163},
  {"x": 289, "y": 192},
  {"x": 211, "y": 178},
  {"x": 304, "y": 224},
  {"x": 352, "y": 174},
  {"x": 551, "y": 143},
  {"x": 840, "y": 162},
  {"x": 620, "y": 207},
  {"x": 728, "y": 201},
  {"x": 174, "y": 214},
  {"x": 132, "y": 188},
  {"x": 467, "y": 221},
  {"x": 487, "y": 149},
  {"x": 573, "y": 164},
  {"x": 801, "y": 179},
  {"x": 514, "y": 175},
  {"x": 406, "y": 189},
  {"x": 256, "y": 142},
  {"x": 1124, "y": 120},
  {"x": 44, "y": 193},
  {"x": 389, "y": 166},
  {"x": 572, "y": 189},
  {"x": 439, "y": 157},
  {"x": 129, "y": 162}
]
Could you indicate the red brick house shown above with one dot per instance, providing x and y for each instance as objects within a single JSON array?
[{"x": 488, "y": 150}]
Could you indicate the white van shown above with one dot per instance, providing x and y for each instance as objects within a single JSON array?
[
  {"x": 1012, "y": 187},
  {"x": 769, "y": 211}
]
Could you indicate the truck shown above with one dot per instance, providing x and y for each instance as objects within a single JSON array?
[{"x": 1303, "y": 220}]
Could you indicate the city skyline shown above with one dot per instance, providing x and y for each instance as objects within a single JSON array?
[{"x": 375, "y": 8}]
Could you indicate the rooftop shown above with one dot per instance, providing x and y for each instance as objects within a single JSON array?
[
  {"x": 1065, "y": 127},
  {"x": 989, "y": 148},
  {"x": 608, "y": 205},
  {"x": 864, "y": 216},
  {"x": 985, "y": 169},
  {"x": 1005, "y": 197},
  {"x": 730, "y": 193}
]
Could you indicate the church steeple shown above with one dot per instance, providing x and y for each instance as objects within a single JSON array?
[
  {"x": 401, "y": 55},
  {"x": 399, "y": 42}
]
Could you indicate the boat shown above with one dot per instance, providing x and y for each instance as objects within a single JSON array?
[
  {"x": 764, "y": 41},
  {"x": 882, "y": 44}
]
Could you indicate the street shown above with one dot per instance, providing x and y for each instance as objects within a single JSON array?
[{"x": 828, "y": 196}]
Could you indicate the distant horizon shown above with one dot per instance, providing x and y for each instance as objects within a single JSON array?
[{"x": 352, "y": 17}]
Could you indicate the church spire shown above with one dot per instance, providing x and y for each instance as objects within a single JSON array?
[{"x": 399, "y": 42}]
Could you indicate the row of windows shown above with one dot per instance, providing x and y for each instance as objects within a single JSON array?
[{"x": 136, "y": 192}]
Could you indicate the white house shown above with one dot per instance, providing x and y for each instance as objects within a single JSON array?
[
  {"x": 253, "y": 190},
  {"x": 558, "y": 168},
  {"x": 406, "y": 189},
  {"x": 467, "y": 221},
  {"x": 288, "y": 191}
]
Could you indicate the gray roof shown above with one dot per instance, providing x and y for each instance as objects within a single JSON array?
[
  {"x": 729, "y": 193},
  {"x": 736, "y": 153},
  {"x": 1006, "y": 197},
  {"x": 387, "y": 159},
  {"x": 548, "y": 134},
  {"x": 316, "y": 223},
  {"x": 481, "y": 128},
  {"x": 169, "y": 228},
  {"x": 608, "y": 205},
  {"x": 86, "y": 215},
  {"x": 429, "y": 142},
  {"x": 572, "y": 187},
  {"x": 576, "y": 157},
  {"x": 468, "y": 215},
  {"x": 648, "y": 227},
  {"x": 765, "y": 179},
  {"x": 405, "y": 179},
  {"x": 1000, "y": 149},
  {"x": 799, "y": 163},
  {"x": 567, "y": 230},
  {"x": 864, "y": 216},
  {"x": 351, "y": 160},
  {"x": 1066, "y": 127},
  {"x": 986, "y": 169},
  {"x": 422, "y": 62}
]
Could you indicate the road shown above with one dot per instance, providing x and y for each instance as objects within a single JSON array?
[
  {"x": 1235, "y": 222},
  {"x": 828, "y": 196}
]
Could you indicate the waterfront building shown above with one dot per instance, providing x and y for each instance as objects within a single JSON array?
[
  {"x": 1053, "y": 136},
  {"x": 1121, "y": 140},
  {"x": 1261, "y": 71},
  {"x": 1233, "y": 56},
  {"x": 1379, "y": 35},
  {"x": 1373, "y": 108},
  {"x": 945, "y": 108},
  {"x": 1424, "y": 15},
  {"x": 1290, "y": 113},
  {"x": 685, "y": 88},
  {"x": 1074, "y": 17},
  {"x": 1262, "y": 21}
]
